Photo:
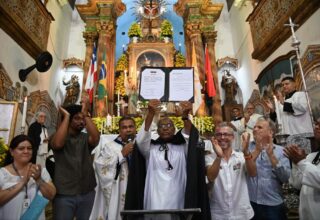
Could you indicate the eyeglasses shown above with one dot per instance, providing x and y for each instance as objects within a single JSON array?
[
  {"x": 163, "y": 126},
  {"x": 223, "y": 134}
]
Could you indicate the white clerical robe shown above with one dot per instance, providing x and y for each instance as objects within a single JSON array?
[
  {"x": 43, "y": 151},
  {"x": 300, "y": 121},
  {"x": 110, "y": 193},
  {"x": 164, "y": 189},
  {"x": 251, "y": 123},
  {"x": 306, "y": 176}
]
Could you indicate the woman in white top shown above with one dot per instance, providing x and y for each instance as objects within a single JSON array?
[{"x": 19, "y": 180}]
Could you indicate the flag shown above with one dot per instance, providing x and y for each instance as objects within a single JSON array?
[
  {"x": 197, "y": 83},
  {"x": 211, "y": 90},
  {"x": 92, "y": 74},
  {"x": 102, "y": 78}
]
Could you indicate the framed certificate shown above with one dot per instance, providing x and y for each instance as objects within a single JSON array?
[{"x": 167, "y": 84}]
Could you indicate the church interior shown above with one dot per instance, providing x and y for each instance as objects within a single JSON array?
[
  {"x": 47, "y": 50},
  {"x": 54, "y": 52}
]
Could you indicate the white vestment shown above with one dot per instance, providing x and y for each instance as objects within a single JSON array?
[
  {"x": 43, "y": 151},
  {"x": 236, "y": 144},
  {"x": 300, "y": 121},
  {"x": 251, "y": 123},
  {"x": 164, "y": 189},
  {"x": 306, "y": 176},
  {"x": 110, "y": 192}
]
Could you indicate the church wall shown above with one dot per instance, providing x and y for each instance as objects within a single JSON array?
[
  {"x": 239, "y": 47},
  {"x": 14, "y": 58},
  {"x": 308, "y": 33},
  {"x": 57, "y": 45}
]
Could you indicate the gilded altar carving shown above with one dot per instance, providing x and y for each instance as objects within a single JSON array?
[
  {"x": 28, "y": 23},
  {"x": 267, "y": 23}
]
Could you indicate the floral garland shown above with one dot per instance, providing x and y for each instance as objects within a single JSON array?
[
  {"x": 204, "y": 124},
  {"x": 3, "y": 151}
]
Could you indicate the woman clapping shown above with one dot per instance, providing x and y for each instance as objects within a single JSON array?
[{"x": 20, "y": 180}]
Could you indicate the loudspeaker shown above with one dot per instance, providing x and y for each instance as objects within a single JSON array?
[{"x": 43, "y": 63}]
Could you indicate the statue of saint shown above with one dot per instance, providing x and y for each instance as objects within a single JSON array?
[
  {"x": 72, "y": 90},
  {"x": 131, "y": 91},
  {"x": 230, "y": 85}
]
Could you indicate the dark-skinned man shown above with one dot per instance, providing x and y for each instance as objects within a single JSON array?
[
  {"x": 111, "y": 162},
  {"x": 174, "y": 165},
  {"x": 74, "y": 175}
]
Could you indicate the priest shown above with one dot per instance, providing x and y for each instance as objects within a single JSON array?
[{"x": 168, "y": 173}]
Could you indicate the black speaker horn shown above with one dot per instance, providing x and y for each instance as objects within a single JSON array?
[{"x": 43, "y": 63}]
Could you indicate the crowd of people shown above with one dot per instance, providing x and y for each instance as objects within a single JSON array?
[{"x": 237, "y": 175}]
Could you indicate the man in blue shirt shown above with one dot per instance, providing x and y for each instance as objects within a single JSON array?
[{"x": 273, "y": 169}]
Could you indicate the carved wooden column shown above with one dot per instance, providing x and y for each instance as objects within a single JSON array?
[
  {"x": 106, "y": 45},
  {"x": 210, "y": 39},
  {"x": 100, "y": 17},
  {"x": 89, "y": 38}
]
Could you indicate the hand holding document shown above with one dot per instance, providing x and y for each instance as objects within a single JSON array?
[{"x": 167, "y": 84}]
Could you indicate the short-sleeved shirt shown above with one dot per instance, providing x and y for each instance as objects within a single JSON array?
[
  {"x": 13, "y": 209},
  {"x": 74, "y": 172},
  {"x": 229, "y": 198}
]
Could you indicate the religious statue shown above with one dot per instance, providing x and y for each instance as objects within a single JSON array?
[
  {"x": 72, "y": 90},
  {"x": 230, "y": 85},
  {"x": 131, "y": 91}
]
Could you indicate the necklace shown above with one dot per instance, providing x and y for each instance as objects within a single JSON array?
[{"x": 25, "y": 186}]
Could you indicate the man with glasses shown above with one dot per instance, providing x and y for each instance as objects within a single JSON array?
[
  {"x": 227, "y": 170},
  {"x": 273, "y": 169},
  {"x": 39, "y": 134},
  {"x": 305, "y": 175},
  {"x": 175, "y": 172}
]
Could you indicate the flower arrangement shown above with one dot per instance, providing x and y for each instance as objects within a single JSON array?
[
  {"x": 3, "y": 151},
  {"x": 166, "y": 29},
  {"x": 122, "y": 63},
  {"x": 120, "y": 85},
  {"x": 135, "y": 30},
  {"x": 203, "y": 124},
  {"x": 180, "y": 60}
]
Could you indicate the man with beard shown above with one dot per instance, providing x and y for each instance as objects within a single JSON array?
[
  {"x": 111, "y": 162},
  {"x": 174, "y": 175},
  {"x": 305, "y": 175},
  {"x": 74, "y": 175}
]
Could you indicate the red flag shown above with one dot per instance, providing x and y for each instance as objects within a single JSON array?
[
  {"x": 211, "y": 90},
  {"x": 92, "y": 74}
]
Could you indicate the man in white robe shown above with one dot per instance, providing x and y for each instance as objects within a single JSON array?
[
  {"x": 295, "y": 115},
  {"x": 237, "y": 127},
  {"x": 305, "y": 175},
  {"x": 111, "y": 167},
  {"x": 172, "y": 162},
  {"x": 249, "y": 120}
]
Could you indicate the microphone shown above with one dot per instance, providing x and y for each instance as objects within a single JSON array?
[{"x": 130, "y": 138}]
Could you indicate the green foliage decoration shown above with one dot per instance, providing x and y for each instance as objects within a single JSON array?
[
  {"x": 135, "y": 30},
  {"x": 180, "y": 60},
  {"x": 166, "y": 29},
  {"x": 3, "y": 151},
  {"x": 122, "y": 63}
]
